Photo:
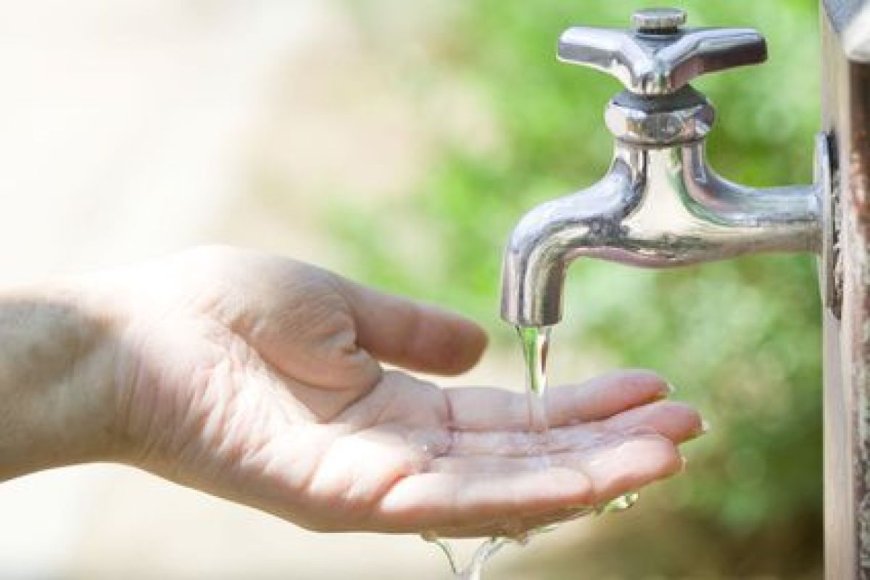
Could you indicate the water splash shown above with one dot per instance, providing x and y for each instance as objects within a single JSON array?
[
  {"x": 474, "y": 569},
  {"x": 535, "y": 342},
  {"x": 619, "y": 504}
]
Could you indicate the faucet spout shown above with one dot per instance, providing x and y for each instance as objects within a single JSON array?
[
  {"x": 551, "y": 235},
  {"x": 655, "y": 208}
]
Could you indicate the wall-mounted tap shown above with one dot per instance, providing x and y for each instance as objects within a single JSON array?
[{"x": 660, "y": 204}]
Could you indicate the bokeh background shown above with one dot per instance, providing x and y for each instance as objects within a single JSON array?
[{"x": 398, "y": 142}]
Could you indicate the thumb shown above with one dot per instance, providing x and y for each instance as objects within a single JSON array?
[{"x": 412, "y": 335}]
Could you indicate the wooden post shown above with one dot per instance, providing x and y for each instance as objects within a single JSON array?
[{"x": 845, "y": 30}]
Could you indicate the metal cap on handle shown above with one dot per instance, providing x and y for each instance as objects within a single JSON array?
[
  {"x": 659, "y": 55},
  {"x": 658, "y": 20}
]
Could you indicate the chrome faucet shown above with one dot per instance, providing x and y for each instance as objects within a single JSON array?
[{"x": 660, "y": 204}]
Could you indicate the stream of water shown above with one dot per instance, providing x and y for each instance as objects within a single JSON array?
[{"x": 535, "y": 343}]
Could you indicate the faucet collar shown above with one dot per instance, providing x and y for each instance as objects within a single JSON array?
[{"x": 664, "y": 121}]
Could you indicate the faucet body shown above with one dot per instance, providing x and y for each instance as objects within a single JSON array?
[
  {"x": 659, "y": 205},
  {"x": 655, "y": 208}
]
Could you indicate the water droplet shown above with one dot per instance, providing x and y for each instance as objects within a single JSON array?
[{"x": 619, "y": 504}]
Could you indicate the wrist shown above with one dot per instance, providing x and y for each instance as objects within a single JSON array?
[{"x": 56, "y": 386}]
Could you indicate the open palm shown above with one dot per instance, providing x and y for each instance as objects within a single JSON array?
[{"x": 259, "y": 379}]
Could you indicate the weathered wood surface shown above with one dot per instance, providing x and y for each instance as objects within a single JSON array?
[{"x": 846, "y": 113}]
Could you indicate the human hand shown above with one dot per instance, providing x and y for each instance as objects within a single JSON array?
[{"x": 258, "y": 379}]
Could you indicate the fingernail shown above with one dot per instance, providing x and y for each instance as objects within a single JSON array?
[
  {"x": 702, "y": 429},
  {"x": 669, "y": 390}
]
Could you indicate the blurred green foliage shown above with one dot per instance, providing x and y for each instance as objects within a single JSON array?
[{"x": 740, "y": 338}]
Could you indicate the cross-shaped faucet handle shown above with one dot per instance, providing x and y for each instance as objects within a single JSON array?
[{"x": 659, "y": 55}]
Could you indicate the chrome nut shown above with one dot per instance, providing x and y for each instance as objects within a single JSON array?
[{"x": 659, "y": 128}]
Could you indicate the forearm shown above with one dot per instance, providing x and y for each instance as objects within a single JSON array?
[{"x": 55, "y": 386}]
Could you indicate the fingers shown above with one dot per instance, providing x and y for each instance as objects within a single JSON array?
[
  {"x": 487, "y": 408},
  {"x": 510, "y": 481},
  {"x": 675, "y": 421},
  {"x": 413, "y": 335},
  {"x": 321, "y": 328},
  {"x": 629, "y": 465},
  {"x": 605, "y": 395},
  {"x": 515, "y": 495},
  {"x": 436, "y": 501}
]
